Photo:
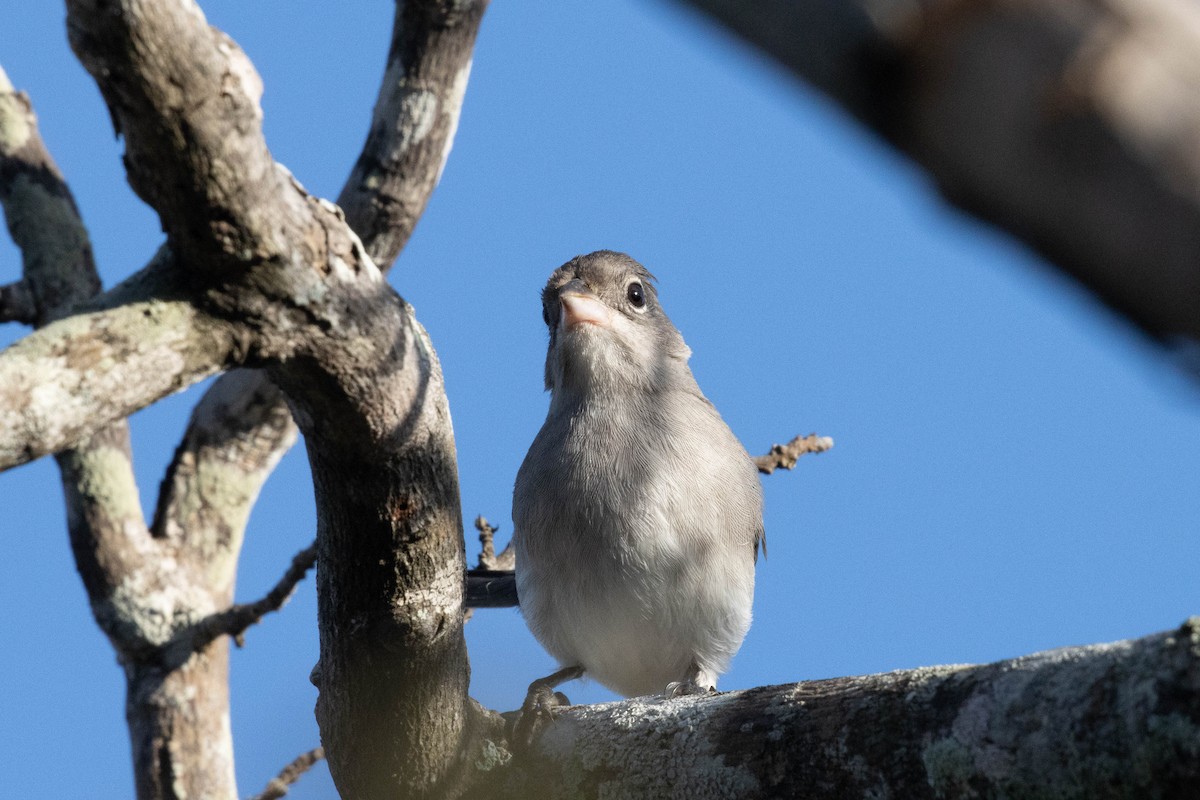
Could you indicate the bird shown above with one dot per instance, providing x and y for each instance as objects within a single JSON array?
[{"x": 637, "y": 512}]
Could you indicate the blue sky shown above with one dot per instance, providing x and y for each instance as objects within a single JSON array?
[{"x": 1015, "y": 469}]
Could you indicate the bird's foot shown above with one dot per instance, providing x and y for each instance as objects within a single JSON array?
[
  {"x": 541, "y": 706},
  {"x": 696, "y": 681},
  {"x": 686, "y": 688}
]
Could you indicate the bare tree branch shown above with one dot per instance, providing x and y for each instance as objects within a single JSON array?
[
  {"x": 1070, "y": 124},
  {"x": 360, "y": 375},
  {"x": 488, "y": 558},
  {"x": 1116, "y": 720},
  {"x": 786, "y": 455},
  {"x": 189, "y": 113},
  {"x": 416, "y": 114},
  {"x": 234, "y": 620},
  {"x": 281, "y": 783},
  {"x": 236, "y": 435},
  {"x": 59, "y": 272},
  {"x": 489, "y": 588},
  {"x": 178, "y": 714},
  {"x": 104, "y": 515},
  {"x": 412, "y": 130},
  {"x": 69, "y": 379}
]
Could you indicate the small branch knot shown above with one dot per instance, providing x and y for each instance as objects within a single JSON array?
[
  {"x": 786, "y": 455},
  {"x": 17, "y": 304},
  {"x": 488, "y": 559}
]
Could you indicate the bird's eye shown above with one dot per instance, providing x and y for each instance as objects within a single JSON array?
[{"x": 636, "y": 295}]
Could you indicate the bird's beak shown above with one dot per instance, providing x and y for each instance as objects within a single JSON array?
[{"x": 580, "y": 305}]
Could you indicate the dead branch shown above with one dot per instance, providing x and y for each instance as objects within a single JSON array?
[
  {"x": 66, "y": 381},
  {"x": 58, "y": 270},
  {"x": 281, "y": 783},
  {"x": 412, "y": 129},
  {"x": 1070, "y": 124},
  {"x": 786, "y": 455},
  {"x": 239, "y": 430},
  {"x": 234, "y": 620},
  {"x": 488, "y": 559},
  {"x": 1114, "y": 720}
]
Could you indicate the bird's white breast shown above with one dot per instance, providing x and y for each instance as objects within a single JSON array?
[{"x": 635, "y": 549}]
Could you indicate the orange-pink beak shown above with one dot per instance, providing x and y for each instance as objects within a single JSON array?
[{"x": 579, "y": 305}]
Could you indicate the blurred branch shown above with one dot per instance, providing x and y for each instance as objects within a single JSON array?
[
  {"x": 16, "y": 303},
  {"x": 1070, "y": 124},
  {"x": 488, "y": 560},
  {"x": 281, "y": 783}
]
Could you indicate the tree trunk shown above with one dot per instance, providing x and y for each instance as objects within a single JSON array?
[{"x": 179, "y": 727}]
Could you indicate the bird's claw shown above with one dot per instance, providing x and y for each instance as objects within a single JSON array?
[
  {"x": 538, "y": 711},
  {"x": 686, "y": 688}
]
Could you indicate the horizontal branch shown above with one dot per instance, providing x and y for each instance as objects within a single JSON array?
[
  {"x": 1115, "y": 720},
  {"x": 491, "y": 588},
  {"x": 68, "y": 380}
]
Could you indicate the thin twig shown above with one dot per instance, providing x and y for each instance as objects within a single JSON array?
[
  {"x": 278, "y": 786},
  {"x": 786, "y": 455},
  {"x": 488, "y": 559},
  {"x": 234, "y": 620}
]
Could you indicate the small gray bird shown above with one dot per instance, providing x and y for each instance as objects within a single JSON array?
[{"x": 637, "y": 513}]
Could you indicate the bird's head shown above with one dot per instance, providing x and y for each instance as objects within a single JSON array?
[{"x": 608, "y": 332}]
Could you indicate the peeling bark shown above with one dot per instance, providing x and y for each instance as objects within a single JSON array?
[
  {"x": 1071, "y": 124},
  {"x": 1102, "y": 721}
]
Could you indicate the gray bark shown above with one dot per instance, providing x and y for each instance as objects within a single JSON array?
[
  {"x": 1071, "y": 124},
  {"x": 257, "y": 272},
  {"x": 1105, "y": 721},
  {"x": 247, "y": 244},
  {"x": 177, "y": 697},
  {"x": 265, "y": 256}
]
